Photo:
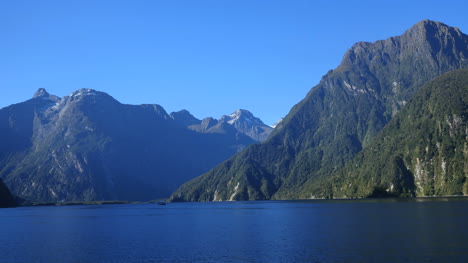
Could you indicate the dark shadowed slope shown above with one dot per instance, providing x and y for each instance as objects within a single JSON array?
[
  {"x": 88, "y": 146},
  {"x": 6, "y": 199}
]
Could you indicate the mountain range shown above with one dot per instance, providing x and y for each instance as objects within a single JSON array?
[
  {"x": 390, "y": 120},
  {"x": 88, "y": 146},
  {"x": 241, "y": 121},
  {"x": 333, "y": 143}
]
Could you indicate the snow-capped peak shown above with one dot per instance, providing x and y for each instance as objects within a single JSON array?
[
  {"x": 41, "y": 93},
  {"x": 245, "y": 122},
  {"x": 243, "y": 115},
  {"x": 81, "y": 92},
  {"x": 241, "y": 112}
]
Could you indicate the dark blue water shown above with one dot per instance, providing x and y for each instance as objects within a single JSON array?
[{"x": 327, "y": 231}]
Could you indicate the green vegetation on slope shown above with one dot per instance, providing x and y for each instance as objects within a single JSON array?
[
  {"x": 337, "y": 119},
  {"x": 423, "y": 151}
]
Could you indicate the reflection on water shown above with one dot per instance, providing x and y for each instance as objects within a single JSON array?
[{"x": 384, "y": 230}]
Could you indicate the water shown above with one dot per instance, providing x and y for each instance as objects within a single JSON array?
[{"x": 310, "y": 231}]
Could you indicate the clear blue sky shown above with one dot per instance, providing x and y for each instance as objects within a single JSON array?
[{"x": 209, "y": 57}]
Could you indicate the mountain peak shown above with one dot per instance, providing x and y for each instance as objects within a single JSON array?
[
  {"x": 240, "y": 112},
  {"x": 245, "y": 122},
  {"x": 428, "y": 29},
  {"x": 41, "y": 93},
  {"x": 86, "y": 94},
  {"x": 428, "y": 46},
  {"x": 184, "y": 117},
  {"x": 184, "y": 113},
  {"x": 427, "y": 24},
  {"x": 83, "y": 92},
  {"x": 208, "y": 122}
]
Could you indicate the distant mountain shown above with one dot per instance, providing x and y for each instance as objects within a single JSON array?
[
  {"x": 184, "y": 118},
  {"x": 423, "y": 151},
  {"x": 239, "y": 122},
  {"x": 245, "y": 122},
  {"x": 6, "y": 199},
  {"x": 88, "y": 146},
  {"x": 338, "y": 118}
]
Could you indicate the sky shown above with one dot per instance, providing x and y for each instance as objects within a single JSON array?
[{"x": 209, "y": 57}]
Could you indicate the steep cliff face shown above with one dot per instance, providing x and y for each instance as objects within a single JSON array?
[
  {"x": 423, "y": 151},
  {"x": 338, "y": 118},
  {"x": 88, "y": 146}
]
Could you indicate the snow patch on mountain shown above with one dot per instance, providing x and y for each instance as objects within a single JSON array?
[
  {"x": 277, "y": 123},
  {"x": 245, "y": 122}
]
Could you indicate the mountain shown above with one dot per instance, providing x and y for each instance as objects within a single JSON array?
[
  {"x": 337, "y": 119},
  {"x": 277, "y": 123},
  {"x": 88, "y": 146},
  {"x": 245, "y": 122},
  {"x": 239, "y": 122},
  {"x": 423, "y": 151},
  {"x": 6, "y": 199},
  {"x": 184, "y": 118}
]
